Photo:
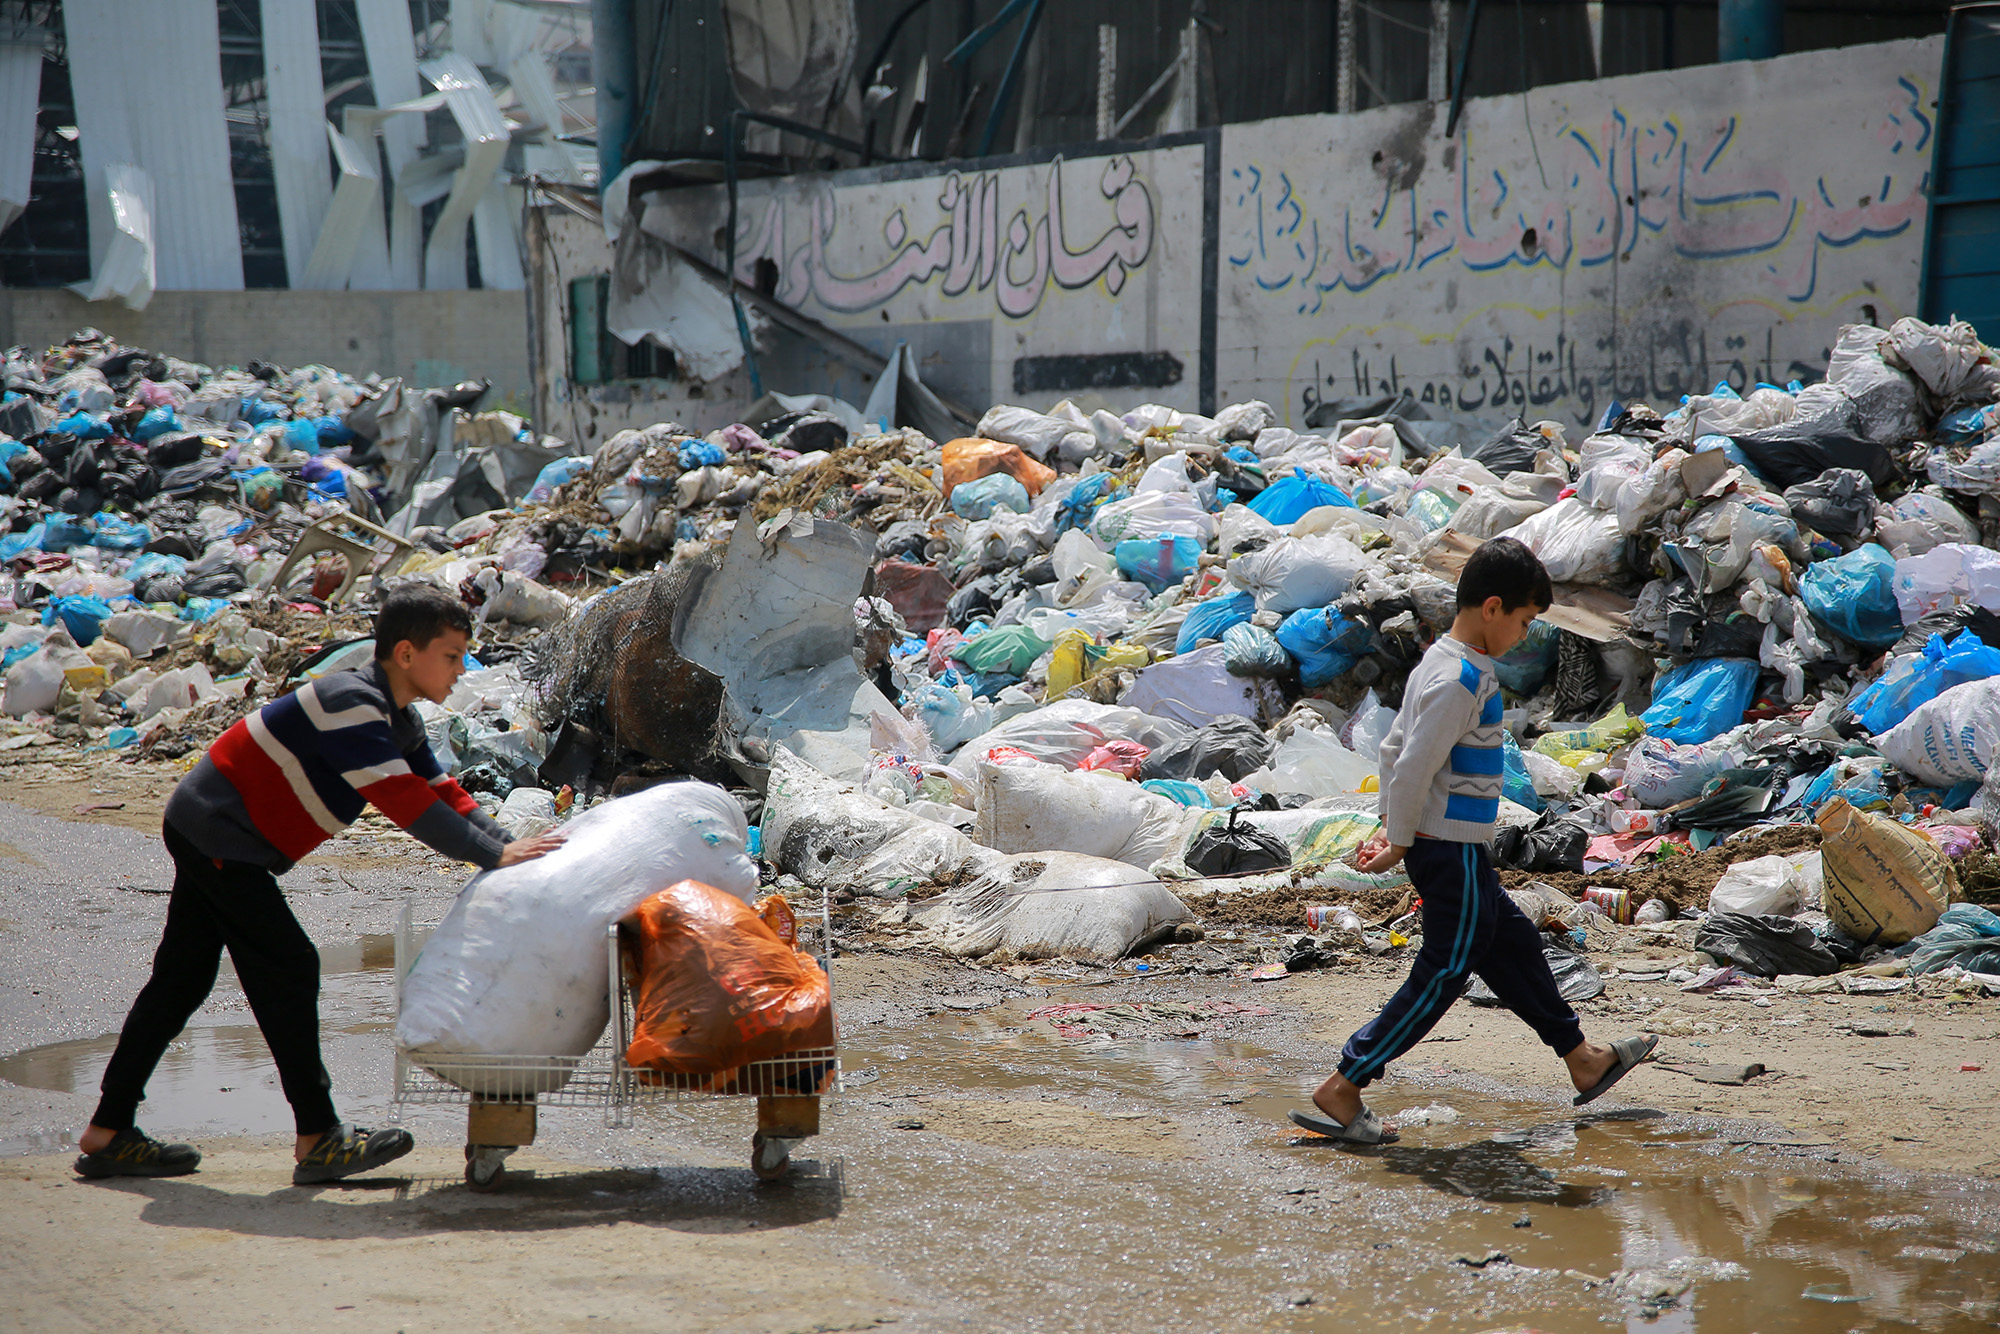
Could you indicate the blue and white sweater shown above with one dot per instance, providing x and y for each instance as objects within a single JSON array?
[{"x": 1442, "y": 762}]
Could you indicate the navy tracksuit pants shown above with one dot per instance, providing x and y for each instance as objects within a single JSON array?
[{"x": 1470, "y": 926}]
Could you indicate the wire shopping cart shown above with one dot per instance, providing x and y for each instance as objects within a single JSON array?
[{"x": 503, "y": 1093}]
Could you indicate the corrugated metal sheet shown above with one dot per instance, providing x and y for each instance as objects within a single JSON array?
[
  {"x": 391, "y": 47},
  {"x": 355, "y": 213},
  {"x": 1962, "y": 234},
  {"x": 295, "y": 101},
  {"x": 470, "y": 101},
  {"x": 153, "y": 99},
  {"x": 20, "y": 92}
]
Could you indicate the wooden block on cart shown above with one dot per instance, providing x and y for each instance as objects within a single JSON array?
[
  {"x": 787, "y": 1117},
  {"x": 500, "y": 1123}
]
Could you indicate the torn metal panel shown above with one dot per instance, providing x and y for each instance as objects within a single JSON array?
[
  {"x": 789, "y": 58},
  {"x": 529, "y": 74},
  {"x": 656, "y": 294},
  {"x": 776, "y": 623},
  {"x": 126, "y": 268},
  {"x": 496, "y": 233},
  {"x": 154, "y": 101},
  {"x": 391, "y": 47},
  {"x": 20, "y": 94},
  {"x": 354, "y": 213},
  {"x": 470, "y": 101},
  {"x": 296, "y": 99}
]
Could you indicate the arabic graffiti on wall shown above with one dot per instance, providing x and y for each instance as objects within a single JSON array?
[
  {"x": 962, "y": 248},
  {"x": 1637, "y": 238}
]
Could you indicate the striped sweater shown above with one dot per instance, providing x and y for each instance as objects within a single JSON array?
[
  {"x": 286, "y": 778},
  {"x": 1442, "y": 762}
]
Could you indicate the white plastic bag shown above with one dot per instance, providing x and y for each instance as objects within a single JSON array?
[
  {"x": 1040, "y": 435},
  {"x": 144, "y": 632},
  {"x": 519, "y": 600},
  {"x": 1644, "y": 496},
  {"x": 1238, "y": 524},
  {"x": 1038, "y": 807},
  {"x": 1917, "y": 521},
  {"x": 34, "y": 682},
  {"x": 1763, "y": 886},
  {"x": 1660, "y": 773},
  {"x": 1312, "y": 762},
  {"x": 1577, "y": 544},
  {"x": 1950, "y": 739},
  {"x": 1886, "y": 396},
  {"x": 1195, "y": 688},
  {"x": 1298, "y": 572},
  {"x": 528, "y": 811},
  {"x": 176, "y": 690},
  {"x": 1367, "y": 727},
  {"x": 1152, "y": 514},
  {"x": 1064, "y": 732},
  {"x": 1492, "y": 510},
  {"x": 518, "y": 966},
  {"x": 1943, "y": 578},
  {"x": 1608, "y": 462}
]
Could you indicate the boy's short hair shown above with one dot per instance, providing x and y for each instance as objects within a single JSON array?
[
  {"x": 1504, "y": 568},
  {"x": 418, "y": 613}
]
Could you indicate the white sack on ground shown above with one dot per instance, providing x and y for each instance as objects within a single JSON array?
[
  {"x": 1038, "y": 808},
  {"x": 1064, "y": 732},
  {"x": 1950, "y": 739},
  {"x": 1049, "y": 905},
  {"x": 833, "y": 837},
  {"x": 518, "y": 965}
]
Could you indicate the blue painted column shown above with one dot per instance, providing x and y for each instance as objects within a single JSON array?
[
  {"x": 615, "y": 71},
  {"x": 1749, "y": 29}
]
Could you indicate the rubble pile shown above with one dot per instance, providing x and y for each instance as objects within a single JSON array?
[{"x": 1038, "y": 688}]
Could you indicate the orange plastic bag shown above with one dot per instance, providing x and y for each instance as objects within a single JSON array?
[
  {"x": 969, "y": 459},
  {"x": 717, "y": 986}
]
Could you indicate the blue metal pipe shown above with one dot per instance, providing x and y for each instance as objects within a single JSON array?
[
  {"x": 615, "y": 70},
  {"x": 1749, "y": 29}
]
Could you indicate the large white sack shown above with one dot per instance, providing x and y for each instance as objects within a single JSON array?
[
  {"x": 1312, "y": 762},
  {"x": 1950, "y": 739},
  {"x": 1049, "y": 905},
  {"x": 832, "y": 836},
  {"x": 1064, "y": 732},
  {"x": 1297, "y": 572},
  {"x": 1039, "y": 434},
  {"x": 1195, "y": 689},
  {"x": 1040, "y": 808},
  {"x": 518, "y": 965}
]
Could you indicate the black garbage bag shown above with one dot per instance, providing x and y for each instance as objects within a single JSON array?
[
  {"x": 1513, "y": 449},
  {"x": 1576, "y": 977},
  {"x": 218, "y": 583},
  {"x": 1552, "y": 843},
  {"x": 1977, "y": 619},
  {"x": 1840, "y": 502},
  {"x": 1236, "y": 849},
  {"x": 1308, "y": 953},
  {"x": 1800, "y": 450},
  {"x": 1765, "y": 945},
  {"x": 981, "y": 597},
  {"x": 1233, "y": 746}
]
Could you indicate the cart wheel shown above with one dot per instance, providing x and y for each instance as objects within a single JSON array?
[
  {"x": 485, "y": 1167},
  {"x": 770, "y": 1159}
]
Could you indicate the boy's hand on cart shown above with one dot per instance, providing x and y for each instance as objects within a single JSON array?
[
  {"x": 527, "y": 849},
  {"x": 1377, "y": 854}
]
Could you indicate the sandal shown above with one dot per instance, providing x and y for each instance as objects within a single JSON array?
[
  {"x": 1629, "y": 1052},
  {"x": 1367, "y": 1128}
]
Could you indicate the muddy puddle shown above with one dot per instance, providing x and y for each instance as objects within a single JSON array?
[
  {"x": 1195, "y": 1205},
  {"x": 217, "y": 1077}
]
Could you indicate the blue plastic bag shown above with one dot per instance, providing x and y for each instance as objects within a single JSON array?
[
  {"x": 559, "y": 473},
  {"x": 10, "y": 449},
  {"x": 333, "y": 432},
  {"x": 1285, "y": 500},
  {"x": 1515, "y": 783},
  {"x": 1524, "y": 667},
  {"x": 1969, "y": 426},
  {"x": 1967, "y": 935},
  {"x": 14, "y": 544},
  {"x": 302, "y": 435},
  {"x": 1918, "y": 678},
  {"x": 149, "y": 563},
  {"x": 1855, "y": 597},
  {"x": 157, "y": 421},
  {"x": 83, "y": 617},
  {"x": 203, "y": 609},
  {"x": 83, "y": 426},
  {"x": 64, "y": 532},
  {"x": 977, "y": 499},
  {"x": 1702, "y": 700},
  {"x": 256, "y": 411},
  {"x": 1210, "y": 619},
  {"x": 1326, "y": 643},
  {"x": 1250, "y": 651},
  {"x": 1082, "y": 502},
  {"x": 1157, "y": 562},
  {"x": 1180, "y": 790},
  {"x": 114, "y": 532},
  {"x": 700, "y": 454}
]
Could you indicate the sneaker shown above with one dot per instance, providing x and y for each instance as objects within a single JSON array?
[
  {"x": 346, "y": 1150},
  {"x": 131, "y": 1153}
]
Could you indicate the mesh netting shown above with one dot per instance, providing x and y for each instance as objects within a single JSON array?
[{"x": 614, "y": 670}]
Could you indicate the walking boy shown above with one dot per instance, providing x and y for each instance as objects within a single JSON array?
[
  {"x": 272, "y": 788},
  {"x": 1441, "y": 770}
]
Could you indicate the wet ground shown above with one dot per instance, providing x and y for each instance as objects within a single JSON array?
[{"x": 1006, "y": 1159}]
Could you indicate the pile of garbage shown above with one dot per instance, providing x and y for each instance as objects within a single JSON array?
[{"x": 1042, "y": 684}]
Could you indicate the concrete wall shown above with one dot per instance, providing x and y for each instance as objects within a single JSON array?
[
  {"x": 429, "y": 338},
  {"x": 1631, "y": 238}
]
